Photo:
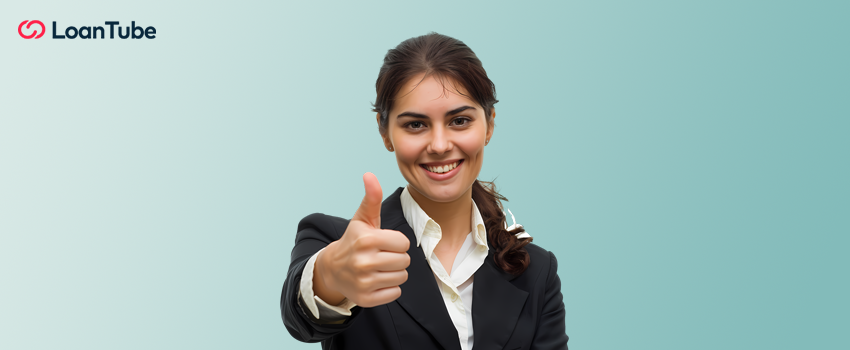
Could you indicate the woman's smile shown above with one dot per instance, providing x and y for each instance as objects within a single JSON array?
[{"x": 440, "y": 171}]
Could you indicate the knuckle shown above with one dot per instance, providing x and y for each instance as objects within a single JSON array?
[
  {"x": 360, "y": 242},
  {"x": 361, "y": 270},
  {"x": 364, "y": 266},
  {"x": 366, "y": 282},
  {"x": 367, "y": 241}
]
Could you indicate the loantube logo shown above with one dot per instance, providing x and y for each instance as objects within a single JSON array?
[{"x": 34, "y": 29}]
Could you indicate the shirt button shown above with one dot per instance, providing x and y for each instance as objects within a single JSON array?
[{"x": 454, "y": 297}]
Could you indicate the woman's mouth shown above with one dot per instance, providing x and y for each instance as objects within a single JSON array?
[{"x": 442, "y": 169}]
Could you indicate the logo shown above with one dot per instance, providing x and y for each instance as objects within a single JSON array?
[
  {"x": 40, "y": 34},
  {"x": 90, "y": 32}
]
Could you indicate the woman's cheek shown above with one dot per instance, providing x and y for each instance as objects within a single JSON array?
[
  {"x": 472, "y": 145},
  {"x": 408, "y": 152}
]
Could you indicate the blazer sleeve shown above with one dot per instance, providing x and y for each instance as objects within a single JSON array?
[
  {"x": 551, "y": 332},
  {"x": 315, "y": 232}
]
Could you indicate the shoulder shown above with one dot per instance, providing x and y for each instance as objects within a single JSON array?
[
  {"x": 543, "y": 262},
  {"x": 536, "y": 251},
  {"x": 331, "y": 226}
]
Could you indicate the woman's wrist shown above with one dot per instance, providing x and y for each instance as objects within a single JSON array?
[{"x": 320, "y": 276}]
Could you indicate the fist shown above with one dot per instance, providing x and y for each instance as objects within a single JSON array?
[{"x": 367, "y": 264}]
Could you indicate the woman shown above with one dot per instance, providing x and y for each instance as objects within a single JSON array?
[{"x": 434, "y": 266}]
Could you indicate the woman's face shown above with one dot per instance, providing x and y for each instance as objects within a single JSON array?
[{"x": 438, "y": 136}]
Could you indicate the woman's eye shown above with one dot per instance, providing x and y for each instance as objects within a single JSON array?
[
  {"x": 460, "y": 121},
  {"x": 415, "y": 125}
]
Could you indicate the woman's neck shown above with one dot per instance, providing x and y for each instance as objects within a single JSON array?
[{"x": 453, "y": 217}]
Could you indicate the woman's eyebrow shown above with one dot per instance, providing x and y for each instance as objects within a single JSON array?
[
  {"x": 458, "y": 110},
  {"x": 411, "y": 114},
  {"x": 422, "y": 116}
]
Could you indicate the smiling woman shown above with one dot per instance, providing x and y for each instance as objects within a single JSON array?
[{"x": 434, "y": 266}]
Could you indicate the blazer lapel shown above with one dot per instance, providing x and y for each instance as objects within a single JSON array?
[
  {"x": 420, "y": 296},
  {"x": 496, "y": 306}
]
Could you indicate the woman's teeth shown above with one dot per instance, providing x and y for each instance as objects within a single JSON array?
[{"x": 442, "y": 169}]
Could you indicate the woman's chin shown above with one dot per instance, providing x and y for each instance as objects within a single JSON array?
[{"x": 443, "y": 193}]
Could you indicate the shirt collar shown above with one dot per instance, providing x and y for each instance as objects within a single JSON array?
[{"x": 418, "y": 219}]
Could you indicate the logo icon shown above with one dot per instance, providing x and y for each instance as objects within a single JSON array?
[{"x": 40, "y": 34}]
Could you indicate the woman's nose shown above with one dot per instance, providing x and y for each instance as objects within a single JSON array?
[{"x": 440, "y": 142}]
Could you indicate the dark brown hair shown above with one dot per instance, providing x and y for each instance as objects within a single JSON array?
[{"x": 448, "y": 58}]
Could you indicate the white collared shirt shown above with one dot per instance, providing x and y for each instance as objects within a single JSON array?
[{"x": 455, "y": 288}]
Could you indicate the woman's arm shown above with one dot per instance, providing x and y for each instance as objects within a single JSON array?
[
  {"x": 315, "y": 232},
  {"x": 551, "y": 329}
]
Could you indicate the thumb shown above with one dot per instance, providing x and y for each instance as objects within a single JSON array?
[{"x": 370, "y": 208}]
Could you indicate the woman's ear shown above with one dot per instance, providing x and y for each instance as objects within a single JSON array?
[
  {"x": 491, "y": 125},
  {"x": 385, "y": 134}
]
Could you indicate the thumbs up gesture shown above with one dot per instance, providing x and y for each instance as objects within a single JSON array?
[{"x": 367, "y": 264}]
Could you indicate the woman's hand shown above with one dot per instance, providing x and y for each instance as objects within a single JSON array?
[{"x": 367, "y": 264}]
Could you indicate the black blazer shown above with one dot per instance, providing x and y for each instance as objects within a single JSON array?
[{"x": 508, "y": 312}]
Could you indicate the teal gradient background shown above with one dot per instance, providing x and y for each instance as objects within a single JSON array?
[{"x": 687, "y": 162}]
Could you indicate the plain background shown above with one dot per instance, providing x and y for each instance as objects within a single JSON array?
[{"x": 686, "y": 161}]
